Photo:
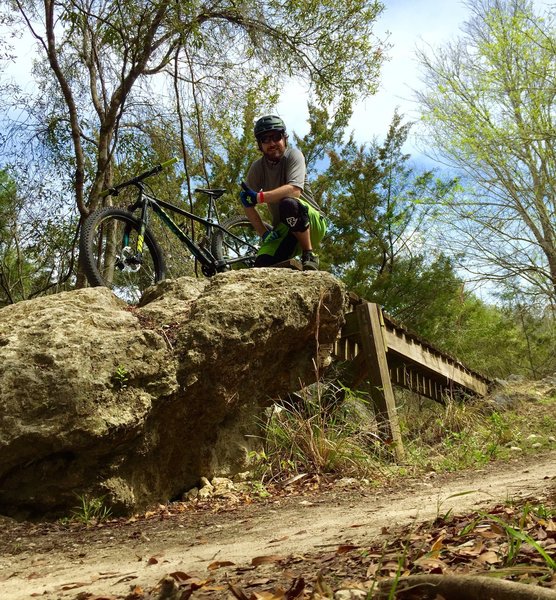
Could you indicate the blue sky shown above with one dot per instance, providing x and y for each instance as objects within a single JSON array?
[{"x": 411, "y": 24}]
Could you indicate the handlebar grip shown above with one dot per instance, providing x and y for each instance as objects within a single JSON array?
[{"x": 167, "y": 163}]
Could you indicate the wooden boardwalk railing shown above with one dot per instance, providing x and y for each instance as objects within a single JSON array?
[{"x": 382, "y": 352}]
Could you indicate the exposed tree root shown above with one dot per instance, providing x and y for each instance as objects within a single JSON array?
[{"x": 461, "y": 587}]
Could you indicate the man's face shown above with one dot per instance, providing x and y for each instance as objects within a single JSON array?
[{"x": 273, "y": 145}]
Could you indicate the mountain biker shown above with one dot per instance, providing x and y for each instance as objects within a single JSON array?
[{"x": 278, "y": 179}]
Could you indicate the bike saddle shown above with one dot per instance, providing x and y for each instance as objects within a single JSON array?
[{"x": 215, "y": 193}]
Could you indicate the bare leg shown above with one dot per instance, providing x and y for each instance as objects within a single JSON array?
[{"x": 304, "y": 239}]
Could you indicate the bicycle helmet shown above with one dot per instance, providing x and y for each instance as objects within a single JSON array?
[{"x": 269, "y": 123}]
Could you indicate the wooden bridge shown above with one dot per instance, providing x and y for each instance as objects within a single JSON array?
[{"x": 385, "y": 353}]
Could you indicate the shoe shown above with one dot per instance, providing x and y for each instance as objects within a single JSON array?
[{"x": 310, "y": 261}]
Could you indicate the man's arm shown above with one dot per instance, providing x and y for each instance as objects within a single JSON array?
[
  {"x": 284, "y": 191},
  {"x": 255, "y": 220},
  {"x": 250, "y": 198}
]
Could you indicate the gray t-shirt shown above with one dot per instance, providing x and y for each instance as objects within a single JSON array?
[{"x": 290, "y": 169}]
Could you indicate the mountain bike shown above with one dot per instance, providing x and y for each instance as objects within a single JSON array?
[{"x": 119, "y": 250}]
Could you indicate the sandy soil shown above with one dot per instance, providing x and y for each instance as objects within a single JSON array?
[{"x": 53, "y": 562}]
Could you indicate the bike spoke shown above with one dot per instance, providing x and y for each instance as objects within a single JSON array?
[
  {"x": 121, "y": 267},
  {"x": 237, "y": 244}
]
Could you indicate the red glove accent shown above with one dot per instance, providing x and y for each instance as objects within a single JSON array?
[{"x": 260, "y": 197}]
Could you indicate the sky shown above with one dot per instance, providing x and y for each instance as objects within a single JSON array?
[
  {"x": 411, "y": 24},
  {"x": 408, "y": 24}
]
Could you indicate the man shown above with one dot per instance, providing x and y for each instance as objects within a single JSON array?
[{"x": 278, "y": 178}]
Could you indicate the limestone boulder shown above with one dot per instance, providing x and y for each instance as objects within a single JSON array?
[{"x": 136, "y": 404}]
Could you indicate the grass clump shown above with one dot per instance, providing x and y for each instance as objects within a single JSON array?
[
  {"x": 324, "y": 429},
  {"x": 329, "y": 429},
  {"x": 472, "y": 432},
  {"x": 89, "y": 511}
]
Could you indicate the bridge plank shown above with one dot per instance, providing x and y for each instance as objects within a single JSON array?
[{"x": 449, "y": 369}]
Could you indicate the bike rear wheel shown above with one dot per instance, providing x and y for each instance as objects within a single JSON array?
[
  {"x": 239, "y": 249},
  {"x": 112, "y": 256}
]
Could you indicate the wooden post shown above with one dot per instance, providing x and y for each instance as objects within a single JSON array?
[{"x": 373, "y": 349}]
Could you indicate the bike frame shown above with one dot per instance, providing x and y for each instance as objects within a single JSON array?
[{"x": 203, "y": 255}]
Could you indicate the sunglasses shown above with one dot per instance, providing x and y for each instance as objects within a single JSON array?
[{"x": 276, "y": 136}]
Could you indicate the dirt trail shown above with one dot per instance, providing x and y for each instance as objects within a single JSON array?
[{"x": 58, "y": 564}]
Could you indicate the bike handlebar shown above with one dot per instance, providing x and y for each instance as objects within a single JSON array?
[{"x": 114, "y": 191}]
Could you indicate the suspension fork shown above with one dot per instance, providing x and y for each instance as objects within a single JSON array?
[{"x": 144, "y": 204}]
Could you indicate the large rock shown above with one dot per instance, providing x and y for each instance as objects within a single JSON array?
[{"x": 136, "y": 403}]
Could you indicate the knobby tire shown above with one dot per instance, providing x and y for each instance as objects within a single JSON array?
[{"x": 101, "y": 250}]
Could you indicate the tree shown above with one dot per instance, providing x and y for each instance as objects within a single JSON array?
[
  {"x": 104, "y": 59},
  {"x": 35, "y": 248},
  {"x": 377, "y": 205},
  {"x": 488, "y": 106}
]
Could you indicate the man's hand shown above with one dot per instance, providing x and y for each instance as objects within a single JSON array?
[{"x": 249, "y": 197}]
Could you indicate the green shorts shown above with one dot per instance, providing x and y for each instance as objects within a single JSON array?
[{"x": 282, "y": 244}]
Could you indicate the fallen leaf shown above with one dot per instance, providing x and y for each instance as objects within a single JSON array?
[
  {"x": 343, "y": 548},
  {"x": 217, "y": 564},
  {"x": 261, "y": 560},
  {"x": 197, "y": 583},
  {"x": 490, "y": 557},
  {"x": 437, "y": 545},
  {"x": 472, "y": 549},
  {"x": 372, "y": 569},
  {"x": 126, "y": 578},
  {"x": 137, "y": 590},
  {"x": 72, "y": 586},
  {"x": 238, "y": 592},
  {"x": 431, "y": 564},
  {"x": 255, "y": 582},
  {"x": 180, "y": 576},
  {"x": 489, "y": 535},
  {"x": 268, "y": 595},
  {"x": 322, "y": 588},
  {"x": 296, "y": 589},
  {"x": 293, "y": 479}
]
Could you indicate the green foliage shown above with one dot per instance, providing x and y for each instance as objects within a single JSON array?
[
  {"x": 378, "y": 206},
  {"x": 326, "y": 132},
  {"x": 120, "y": 377},
  {"x": 495, "y": 340},
  {"x": 464, "y": 434},
  {"x": 90, "y": 510},
  {"x": 488, "y": 107},
  {"x": 34, "y": 255},
  {"x": 313, "y": 433},
  {"x": 330, "y": 430},
  {"x": 82, "y": 118},
  {"x": 381, "y": 212},
  {"x": 517, "y": 537}
]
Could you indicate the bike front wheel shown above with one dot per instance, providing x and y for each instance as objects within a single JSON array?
[
  {"x": 113, "y": 254},
  {"x": 237, "y": 243}
]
